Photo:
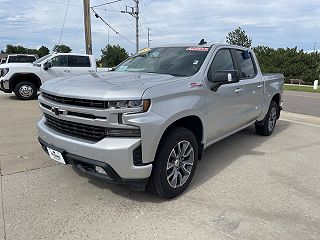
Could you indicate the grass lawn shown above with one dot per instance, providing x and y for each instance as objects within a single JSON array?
[{"x": 301, "y": 88}]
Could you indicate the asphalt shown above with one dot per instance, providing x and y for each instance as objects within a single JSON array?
[
  {"x": 246, "y": 187},
  {"x": 302, "y": 102}
]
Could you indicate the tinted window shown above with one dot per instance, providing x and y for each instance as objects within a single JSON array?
[
  {"x": 221, "y": 62},
  {"x": 59, "y": 61},
  {"x": 21, "y": 59},
  {"x": 79, "y": 61},
  {"x": 246, "y": 64}
]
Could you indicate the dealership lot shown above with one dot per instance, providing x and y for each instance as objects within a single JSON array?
[{"x": 246, "y": 187}]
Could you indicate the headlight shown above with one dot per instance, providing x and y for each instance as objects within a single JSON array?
[
  {"x": 144, "y": 105},
  {"x": 3, "y": 71}
]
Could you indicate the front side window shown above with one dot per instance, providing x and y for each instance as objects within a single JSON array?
[
  {"x": 246, "y": 65},
  {"x": 176, "y": 61},
  {"x": 79, "y": 61},
  {"x": 221, "y": 62},
  {"x": 60, "y": 61}
]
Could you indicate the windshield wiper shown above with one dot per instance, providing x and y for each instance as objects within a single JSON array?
[{"x": 171, "y": 74}]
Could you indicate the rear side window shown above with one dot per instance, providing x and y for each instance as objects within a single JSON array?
[
  {"x": 79, "y": 61},
  {"x": 21, "y": 59},
  {"x": 246, "y": 64}
]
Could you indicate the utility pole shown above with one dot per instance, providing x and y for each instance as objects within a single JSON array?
[
  {"x": 149, "y": 37},
  {"x": 134, "y": 13},
  {"x": 87, "y": 26}
]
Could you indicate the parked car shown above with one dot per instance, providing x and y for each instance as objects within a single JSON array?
[
  {"x": 148, "y": 122},
  {"x": 21, "y": 58},
  {"x": 25, "y": 80}
]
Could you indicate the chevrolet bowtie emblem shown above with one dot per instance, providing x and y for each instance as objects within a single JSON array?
[{"x": 56, "y": 111}]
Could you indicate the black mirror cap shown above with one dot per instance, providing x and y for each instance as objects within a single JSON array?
[{"x": 47, "y": 65}]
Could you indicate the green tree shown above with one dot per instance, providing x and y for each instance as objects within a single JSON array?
[
  {"x": 239, "y": 37},
  {"x": 11, "y": 49},
  {"x": 43, "y": 51},
  {"x": 62, "y": 48},
  {"x": 112, "y": 55},
  {"x": 293, "y": 63}
]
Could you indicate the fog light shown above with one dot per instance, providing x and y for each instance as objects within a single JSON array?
[{"x": 100, "y": 170}]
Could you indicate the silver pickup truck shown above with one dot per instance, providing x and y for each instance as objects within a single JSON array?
[{"x": 147, "y": 122}]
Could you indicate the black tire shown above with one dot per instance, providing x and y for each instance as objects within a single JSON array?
[
  {"x": 158, "y": 182},
  {"x": 26, "y": 90},
  {"x": 264, "y": 127}
]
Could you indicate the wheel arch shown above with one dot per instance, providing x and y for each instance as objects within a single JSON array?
[
  {"x": 20, "y": 77},
  {"x": 191, "y": 122}
]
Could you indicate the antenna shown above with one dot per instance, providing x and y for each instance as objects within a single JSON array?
[{"x": 202, "y": 42}]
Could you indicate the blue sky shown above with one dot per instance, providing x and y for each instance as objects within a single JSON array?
[{"x": 276, "y": 23}]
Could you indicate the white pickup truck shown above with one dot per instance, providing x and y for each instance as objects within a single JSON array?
[{"x": 25, "y": 79}]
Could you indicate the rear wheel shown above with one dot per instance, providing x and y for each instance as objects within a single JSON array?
[
  {"x": 266, "y": 127},
  {"x": 25, "y": 90},
  {"x": 175, "y": 163}
]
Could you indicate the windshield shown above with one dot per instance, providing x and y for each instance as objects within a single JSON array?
[
  {"x": 176, "y": 61},
  {"x": 41, "y": 59}
]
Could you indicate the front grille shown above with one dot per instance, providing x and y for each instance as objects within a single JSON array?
[
  {"x": 77, "y": 102},
  {"x": 76, "y": 129}
]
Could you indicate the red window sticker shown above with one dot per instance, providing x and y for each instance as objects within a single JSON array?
[{"x": 201, "y": 49}]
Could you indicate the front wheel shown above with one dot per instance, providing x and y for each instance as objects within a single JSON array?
[
  {"x": 25, "y": 90},
  {"x": 175, "y": 163},
  {"x": 266, "y": 127}
]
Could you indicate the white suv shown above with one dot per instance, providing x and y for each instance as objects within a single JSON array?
[{"x": 25, "y": 79}]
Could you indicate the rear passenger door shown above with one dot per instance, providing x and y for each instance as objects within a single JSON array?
[
  {"x": 252, "y": 85},
  {"x": 80, "y": 64}
]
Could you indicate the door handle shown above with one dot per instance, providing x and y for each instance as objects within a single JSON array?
[
  {"x": 260, "y": 85},
  {"x": 91, "y": 71},
  {"x": 238, "y": 90},
  {"x": 67, "y": 71}
]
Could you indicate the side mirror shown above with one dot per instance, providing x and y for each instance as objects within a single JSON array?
[
  {"x": 47, "y": 65},
  {"x": 224, "y": 77}
]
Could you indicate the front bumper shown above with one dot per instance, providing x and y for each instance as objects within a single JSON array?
[
  {"x": 115, "y": 153},
  {"x": 87, "y": 166},
  {"x": 4, "y": 85}
]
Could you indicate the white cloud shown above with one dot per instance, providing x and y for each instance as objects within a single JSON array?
[{"x": 282, "y": 23}]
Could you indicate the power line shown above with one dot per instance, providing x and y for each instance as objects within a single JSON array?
[
  {"x": 64, "y": 21},
  {"x": 97, "y": 16},
  {"x": 59, "y": 3},
  {"x": 103, "y": 4}
]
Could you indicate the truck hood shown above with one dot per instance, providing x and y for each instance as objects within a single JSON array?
[{"x": 106, "y": 86}]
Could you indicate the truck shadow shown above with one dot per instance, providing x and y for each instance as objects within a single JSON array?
[
  {"x": 13, "y": 97},
  {"x": 215, "y": 159},
  {"x": 222, "y": 154}
]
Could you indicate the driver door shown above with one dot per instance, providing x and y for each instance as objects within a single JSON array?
[
  {"x": 225, "y": 104},
  {"x": 60, "y": 68}
]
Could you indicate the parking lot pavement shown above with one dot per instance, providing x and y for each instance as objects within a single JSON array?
[
  {"x": 302, "y": 102},
  {"x": 246, "y": 187}
]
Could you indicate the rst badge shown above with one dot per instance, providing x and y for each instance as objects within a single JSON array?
[{"x": 196, "y": 84}]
